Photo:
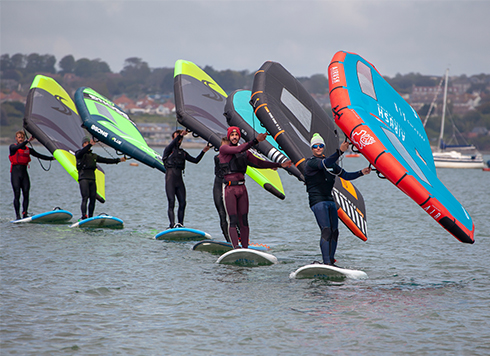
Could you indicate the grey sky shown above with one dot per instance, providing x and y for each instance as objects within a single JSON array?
[{"x": 396, "y": 36}]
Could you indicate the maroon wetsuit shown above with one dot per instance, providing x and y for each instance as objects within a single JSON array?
[{"x": 235, "y": 193}]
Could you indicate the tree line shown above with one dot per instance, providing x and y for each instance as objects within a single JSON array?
[{"x": 137, "y": 79}]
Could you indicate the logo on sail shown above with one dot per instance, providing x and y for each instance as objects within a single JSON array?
[
  {"x": 64, "y": 109},
  {"x": 362, "y": 139}
]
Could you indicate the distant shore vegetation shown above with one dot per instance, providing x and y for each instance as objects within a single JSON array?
[{"x": 137, "y": 80}]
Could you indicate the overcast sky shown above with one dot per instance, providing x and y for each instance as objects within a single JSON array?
[{"x": 396, "y": 36}]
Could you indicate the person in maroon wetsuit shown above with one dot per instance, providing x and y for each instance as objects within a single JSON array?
[
  {"x": 20, "y": 156},
  {"x": 233, "y": 159}
]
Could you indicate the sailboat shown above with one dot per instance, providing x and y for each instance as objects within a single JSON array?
[{"x": 454, "y": 156}]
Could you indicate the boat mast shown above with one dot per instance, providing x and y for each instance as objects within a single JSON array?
[{"x": 444, "y": 100}]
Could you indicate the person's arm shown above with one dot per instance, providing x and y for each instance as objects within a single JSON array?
[
  {"x": 168, "y": 150},
  {"x": 79, "y": 154},
  {"x": 41, "y": 156},
  {"x": 195, "y": 160},
  {"x": 14, "y": 147},
  {"x": 330, "y": 160},
  {"x": 231, "y": 150},
  {"x": 354, "y": 175},
  {"x": 108, "y": 160},
  {"x": 257, "y": 162}
]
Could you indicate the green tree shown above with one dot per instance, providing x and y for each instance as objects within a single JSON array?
[
  {"x": 11, "y": 112},
  {"x": 40, "y": 63},
  {"x": 86, "y": 68},
  {"x": 67, "y": 64},
  {"x": 135, "y": 69}
]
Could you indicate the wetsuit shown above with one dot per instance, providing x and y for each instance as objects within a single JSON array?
[
  {"x": 174, "y": 159},
  {"x": 320, "y": 176},
  {"x": 234, "y": 159},
  {"x": 218, "y": 197},
  {"x": 19, "y": 178},
  {"x": 86, "y": 165}
]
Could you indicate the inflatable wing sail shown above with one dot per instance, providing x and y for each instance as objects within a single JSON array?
[
  {"x": 52, "y": 118},
  {"x": 200, "y": 104},
  {"x": 111, "y": 125},
  {"x": 239, "y": 112},
  {"x": 292, "y": 116},
  {"x": 390, "y": 134}
]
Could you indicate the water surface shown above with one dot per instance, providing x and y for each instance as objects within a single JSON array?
[{"x": 76, "y": 292}]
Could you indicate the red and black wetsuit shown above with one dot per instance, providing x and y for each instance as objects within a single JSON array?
[
  {"x": 19, "y": 159},
  {"x": 234, "y": 160},
  {"x": 174, "y": 159}
]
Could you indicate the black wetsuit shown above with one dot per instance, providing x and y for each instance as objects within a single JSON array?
[
  {"x": 218, "y": 197},
  {"x": 86, "y": 165},
  {"x": 174, "y": 159},
  {"x": 20, "y": 178},
  {"x": 320, "y": 173}
]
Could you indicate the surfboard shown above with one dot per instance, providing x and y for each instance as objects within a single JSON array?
[
  {"x": 317, "y": 270},
  {"x": 247, "y": 257},
  {"x": 182, "y": 234},
  {"x": 100, "y": 221},
  {"x": 220, "y": 247},
  {"x": 56, "y": 216}
]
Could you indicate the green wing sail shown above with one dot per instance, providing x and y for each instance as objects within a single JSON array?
[{"x": 112, "y": 126}]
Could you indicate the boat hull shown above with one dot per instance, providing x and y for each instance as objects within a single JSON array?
[{"x": 454, "y": 159}]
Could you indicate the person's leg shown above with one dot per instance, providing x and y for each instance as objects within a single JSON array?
[
  {"x": 323, "y": 220},
  {"x": 85, "y": 193},
  {"x": 334, "y": 223},
  {"x": 230, "y": 200},
  {"x": 25, "y": 187},
  {"x": 92, "y": 188},
  {"x": 15, "y": 181},
  {"x": 181, "y": 197},
  {"x": 170, "y": 191},
  {"x": 242, "y": 212},
  {"x": 220, "y": 207}
]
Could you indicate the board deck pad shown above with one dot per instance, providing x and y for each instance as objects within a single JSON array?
[
  {"x": 100, "y": 221},
  {"x": 220, "y": 247},
  {"x": 56, "y": 216},
  {"x": 182, "y": 234},
  {"x": 247, "y": 257},
  {"x": 318, "y": 270}
]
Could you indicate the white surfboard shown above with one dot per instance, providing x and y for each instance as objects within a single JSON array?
[
  {"x": 100, "y": 221},
  {"x": 56, "y": 216},
  {"x": 247, "y": 257},
  {"x": 220, "y": 247},
  {"x": 318, "y": 270},
  {"x": 182, "y": 234}
]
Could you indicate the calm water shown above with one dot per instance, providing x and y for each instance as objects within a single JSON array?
[{"x": 73, "y": 292}]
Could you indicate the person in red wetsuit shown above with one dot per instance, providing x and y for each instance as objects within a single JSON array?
[
  {"x": 233, "y": 159},
  {"x": 20, "y": 156}
]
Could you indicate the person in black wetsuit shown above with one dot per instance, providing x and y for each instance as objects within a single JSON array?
[
  {"x": 234, "y": 159},
  {"x": 320, "y": 173},
  {"x": 218, "y": 193},
  {"x": 20, "y": 156},
  {"x": 174, "y": 159},
  {"x": 86, "y": 165}
]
